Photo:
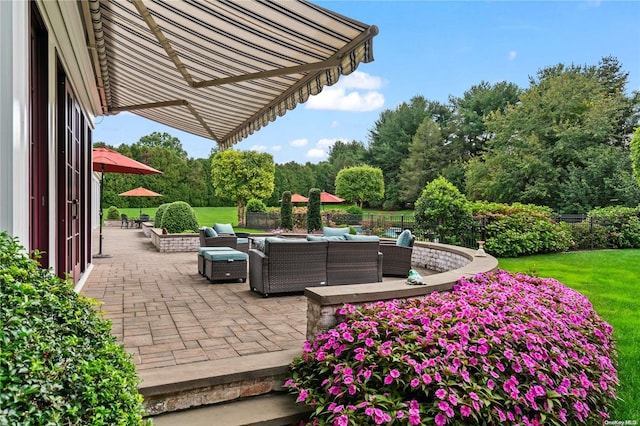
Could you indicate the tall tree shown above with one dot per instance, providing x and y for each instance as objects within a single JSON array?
[
  {"x": 343, "y": 154},
  {"x": 242, "y": 175},
  {"x": 389, "y": 143},
  {"x": 359, "y": 184},
  {"x": 472, "y": 109},
  {"x": 541, "y": 142},
  {"x": 428, "y": 156}
]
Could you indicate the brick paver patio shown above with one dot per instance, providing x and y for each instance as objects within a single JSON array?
[{"x": 167, "y": 314}]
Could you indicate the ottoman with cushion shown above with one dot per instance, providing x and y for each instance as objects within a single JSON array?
[
  {"x": 201, "y": 252},
  {"x": 225, "y": 265}
]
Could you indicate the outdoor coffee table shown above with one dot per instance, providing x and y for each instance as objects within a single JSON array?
[{"x": 225, "y": 265}]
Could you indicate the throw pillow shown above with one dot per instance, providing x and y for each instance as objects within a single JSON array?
[
  {"x": 224, "y": 228},
  {"x": 209, "y": 232},
  {"x": 334, "y": 232},
  {"x": 405, "y": 239},
  {"x": 258, "y": 244}
]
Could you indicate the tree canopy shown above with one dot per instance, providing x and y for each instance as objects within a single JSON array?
[
  {"x": 359, "y": 184},
  {"x": 242, "y": 175}
]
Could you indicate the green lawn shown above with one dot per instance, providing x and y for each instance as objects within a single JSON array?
[{"x": 611, "y": 281}]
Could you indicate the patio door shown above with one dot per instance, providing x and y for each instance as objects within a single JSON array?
[
  {"x": 70, "y": 181},
  {"x": 38, "y": 136}
]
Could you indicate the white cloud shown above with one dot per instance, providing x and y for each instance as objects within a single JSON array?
[
  {"x": 276, "y": 148},
  {"x": 258, "y": 148},
  {"x": 335, "y": 124},
  {"x": 316, "y": 153},
  {"x": 355, "y": 92},
  {"x": 326, "y": 143},
  {"x": 299, "y": 142},
  {"x": 512, "y": 55}
]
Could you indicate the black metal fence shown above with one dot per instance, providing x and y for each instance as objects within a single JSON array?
[{"x": 588, "y": 233}]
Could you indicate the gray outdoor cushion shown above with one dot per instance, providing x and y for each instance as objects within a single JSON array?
[
  {"x": 225, "y": 255},
  {"x": 405, "y": 239},
  {"x": 322, "y": 238},
  {"x": 203, "y": 250},
  {"x": 278, "y": 240},
  {"x": 350, "y": 237},
  {"x": 224, "y": 228},
  {"x": 334, "y": 232},
  {"x": 209, "y": 232}
]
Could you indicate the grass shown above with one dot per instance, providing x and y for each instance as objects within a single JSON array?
[{"x": 610, "y": 279}]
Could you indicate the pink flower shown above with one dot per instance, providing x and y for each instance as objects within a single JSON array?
[
  {"x": 415, "y": 382},
  {"x": 440, "y": 420},
  {"x": 369, "y": 342},
  {"x": 426, "y": 379},
  {"x": 388, "y": 380},
  {"x": 341, "y": 421},
  {"x": 491, "y": 384},
  {"x": 474, "y": 396},
  {"x": 443, "y": 405},
  {"x": 394, "y": 373},
  {"x": 453, "y": 400},
  {"x": 465, "y": 411},
  {"x": 303, "y": 395},
  {"x": 441, "y": 393}
]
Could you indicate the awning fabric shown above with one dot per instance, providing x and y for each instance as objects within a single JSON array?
[{"x": 219, "y": 69}]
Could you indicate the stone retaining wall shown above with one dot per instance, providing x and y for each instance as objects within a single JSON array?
[
  {"x": 451, "y": 262},
  {"x": 167, "y": 243}
]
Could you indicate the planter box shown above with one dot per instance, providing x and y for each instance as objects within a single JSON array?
[{"x": 170, "y": 243}]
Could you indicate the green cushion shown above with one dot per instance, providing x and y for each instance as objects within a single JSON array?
[
  {"x": 209, "y": 232},
  {"x": 224, "y": 228},
  {"x": 277, "y": 240},
  {"x": 405, "y": 239},
  {"x": 202, "y": 250},
  {"x": 334, "y": 232},
  {"x": 350, "y": 237},
  {"x": 225, "y": 255}
]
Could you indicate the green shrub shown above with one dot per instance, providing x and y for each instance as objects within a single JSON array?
[
  {"x": 157, "y": 222},
  {"x": 286, "y": 211},
  {"x": 497, "y": 349},
  {"x": 513, "y": 230},
  {"x": 179, "y": 218},
  {"x": 113, "y": 213},
  {"x": 444, "y": 211},
  {"x": 354, "y": 215},
  {"x": 256, "y": 206},
  {"x": 314, "y": 221},
  {"x": 587, "y": 235},
  {"x": 59, "y": 362},
  {"x": 622, "y": 225}
]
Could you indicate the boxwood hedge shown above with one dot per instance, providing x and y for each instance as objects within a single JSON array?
[{"x": 59, "y": 362}]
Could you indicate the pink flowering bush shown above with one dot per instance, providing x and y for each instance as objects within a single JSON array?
[{"x": 499, "y": 348}]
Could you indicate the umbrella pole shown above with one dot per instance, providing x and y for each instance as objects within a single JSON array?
[{"x": 99, "y": 254}]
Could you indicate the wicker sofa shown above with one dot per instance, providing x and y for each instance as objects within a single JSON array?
[
  {"x": 210, "y": 238},
  {"x": 290, "y": 265}
]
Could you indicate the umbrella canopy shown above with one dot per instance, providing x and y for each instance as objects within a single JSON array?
[
  {"x": 297, "y": 198},
  {"x": 109, "y": 161},
  {"x": 140, "y": 192},
  {"x": 106, "y": 160},
  {"x": 325, "y": 197}
]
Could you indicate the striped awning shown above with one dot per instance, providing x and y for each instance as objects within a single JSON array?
[{"x": 219, "y": 69}]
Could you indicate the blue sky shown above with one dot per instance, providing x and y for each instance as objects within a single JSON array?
[{"x": 429, "y": 48}]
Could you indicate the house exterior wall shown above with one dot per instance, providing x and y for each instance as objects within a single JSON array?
[{"x": 68, "y": 48}]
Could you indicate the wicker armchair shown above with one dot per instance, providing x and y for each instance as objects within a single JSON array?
[
  {"x": 219, "y": 241},
  {"x": 397, "y": 258},
  {"x": 288, "y": 266}
]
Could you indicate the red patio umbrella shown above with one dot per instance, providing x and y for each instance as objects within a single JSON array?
[
  {"x": 297, "y": 198},
  {"x": 326, "y": 197},
  {"x": 106, "y": 160},
  {"x": 140, "y": 192}
]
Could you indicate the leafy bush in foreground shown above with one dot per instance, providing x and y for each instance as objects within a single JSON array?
[
  {"x": 59, "y": 363},
  {"x": 499, "y": 348}
]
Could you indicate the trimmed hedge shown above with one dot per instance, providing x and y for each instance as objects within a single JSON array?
[
  {"x": 113, "y": 213},
  {"x": 179, "y": 217},
  {"x": 157, "y": 222},
  {"x": 286, "y": 211},
  {"x": 59, "y": 362}
]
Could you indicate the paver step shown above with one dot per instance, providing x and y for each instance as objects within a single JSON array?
[{"x": 274, "y": 409}]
